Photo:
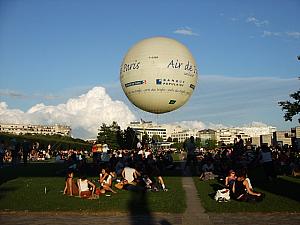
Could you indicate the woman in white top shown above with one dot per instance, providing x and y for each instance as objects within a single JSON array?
[
  {"x": 105, "y": 180},
  {"x": 84, "y": 187}
]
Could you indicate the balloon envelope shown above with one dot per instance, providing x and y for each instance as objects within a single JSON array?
[{"x": 158, "y": 74}]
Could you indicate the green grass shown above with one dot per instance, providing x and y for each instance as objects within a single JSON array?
[
  {"x": 282, "y": 196},
  {"x": 23, "y": 188}
]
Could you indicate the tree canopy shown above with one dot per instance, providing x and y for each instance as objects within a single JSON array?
[
  {"x": 291, "y": 108},
  {"x": 116, "y": 138}
]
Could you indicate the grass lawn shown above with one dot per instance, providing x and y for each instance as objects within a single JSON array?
[
  {"x": 23, "y": 188},
  {"x": 282, "y": 196}
]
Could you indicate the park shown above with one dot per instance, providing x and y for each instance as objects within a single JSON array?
[{"x": 149, "y": 112}]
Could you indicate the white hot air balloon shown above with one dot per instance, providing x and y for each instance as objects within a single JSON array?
[{"x": 158, "y": 74}]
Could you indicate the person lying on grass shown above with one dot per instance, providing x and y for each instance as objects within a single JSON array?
[
  {"x": 242, "y": 191},
  {"x": 123, "y": 184},
  {"x": 105, "y": 180},
  {"x": 71, "y": 188}
]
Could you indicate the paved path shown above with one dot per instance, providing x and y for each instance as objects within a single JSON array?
[
  {"x": 20, "y": 218},
  {"x": 195, "y": 213},
  {"x": 255, "y": 218}
]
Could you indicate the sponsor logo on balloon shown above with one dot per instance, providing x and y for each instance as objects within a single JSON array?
[
  {"x": 172, "y": 102},
  {"x": 171, "y": 82},
  {"x": 134, "y": 83}
]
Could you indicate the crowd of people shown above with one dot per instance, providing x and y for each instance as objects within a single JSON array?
[
  {"x": 231, "y": 165},
  {"x": 136, "y": 170},
  {"x": 15, "y": 151},
  {"x": 141, "y": 169}
]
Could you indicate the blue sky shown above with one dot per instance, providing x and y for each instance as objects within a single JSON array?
[{"x": 246, "y": 51}]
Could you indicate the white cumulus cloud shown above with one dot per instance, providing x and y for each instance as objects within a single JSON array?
[
  {"x": 190, "y": 124},
  {"x": 84, "y": 114}
]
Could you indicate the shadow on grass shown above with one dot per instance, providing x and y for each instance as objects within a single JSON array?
[
  {"x": 139, "y": 210},
  {"x": 284, "y": 186},
  {"x": 44, "y": 169},
  {"x": 4, "y": 190},
  {"x": 40, "y": 169}
]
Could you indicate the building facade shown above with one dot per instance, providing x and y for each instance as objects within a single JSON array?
[
  {"x": 36, "y": 129},
  {"x": 207, "y": 134},
  {"x": 282, "y": 138},
  {"x": 182, "y": 135},
  {"x": 296, "y": 138},
  {"x": 149, "y": 128}
]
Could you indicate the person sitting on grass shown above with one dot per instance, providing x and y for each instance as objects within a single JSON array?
[
  {"x": 242, "y": 191},
  {"x": 71, "y": 188},
  {"x": 84, "y": 186},
  {"x": 105, "y": 180},
  {"x": 130, "y": 174},
  {"x": 207, "y": 170},
  {"x": 155, "y": 174},
  {"x": 230, "y": 179}
]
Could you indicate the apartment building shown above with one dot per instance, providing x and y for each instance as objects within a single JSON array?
[{"x": 36, "y": 129}]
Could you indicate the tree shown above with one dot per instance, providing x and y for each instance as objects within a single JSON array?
[
  {"x": 291, "y": 108},
  {"x": 110, "y": 135},
  {"x": 177, "y": 145},
  {"x": 157, "y": 138},
  {"x": 169, "y": 139},
  {"x": 210, "y": 144},
  {"x": 198, "y": 142},
  {"x": 131, "y": 139},
  {"x": 145, "y": 139}
]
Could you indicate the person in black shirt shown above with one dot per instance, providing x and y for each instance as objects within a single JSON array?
[{"x": 242, "y": 191}]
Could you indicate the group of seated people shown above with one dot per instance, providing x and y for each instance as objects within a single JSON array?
[
  {"x": 240, "y": 187},
  {"x": 131, "y": 180}
]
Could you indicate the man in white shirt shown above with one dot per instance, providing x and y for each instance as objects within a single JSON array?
[{"x": 130, "y": 174}]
